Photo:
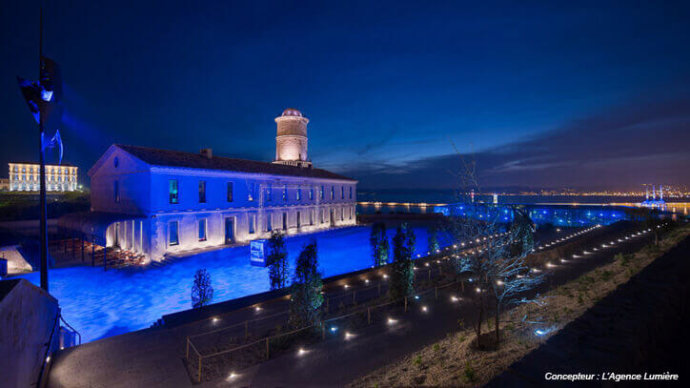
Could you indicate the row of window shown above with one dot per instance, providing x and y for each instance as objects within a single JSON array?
[
  {"x": 49, "y": 170},
  {"x": 173, "y": 192},
  {"x": 202, "y": 229},
  {"x": 31, "y": 178}
]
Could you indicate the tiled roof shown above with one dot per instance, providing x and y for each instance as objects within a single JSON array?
[{"x": 158, "y": 157}]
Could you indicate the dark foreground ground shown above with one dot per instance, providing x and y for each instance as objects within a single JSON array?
[{"x": 640, "y": 327}]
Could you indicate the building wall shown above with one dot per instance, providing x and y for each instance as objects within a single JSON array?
[
  {"x": 133, "y": 184},
  {"x": 26, "y": 177},
  {"x": 253, "y": 195}
]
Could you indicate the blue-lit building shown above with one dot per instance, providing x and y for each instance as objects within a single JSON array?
[{"x": 154, "y": 202}]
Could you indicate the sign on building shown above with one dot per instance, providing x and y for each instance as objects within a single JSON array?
[{"x": 258, "y": 252}]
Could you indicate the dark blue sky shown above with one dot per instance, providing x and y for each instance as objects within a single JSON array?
[{"x": 545, "y": 94}]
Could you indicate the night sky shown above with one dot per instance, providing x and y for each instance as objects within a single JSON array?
[{"x": 545, "y": 95}]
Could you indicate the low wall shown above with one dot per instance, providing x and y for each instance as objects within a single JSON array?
[{"x": 27, "y": 318}]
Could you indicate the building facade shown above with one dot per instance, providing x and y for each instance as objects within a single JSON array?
[
  {"x": 158, "y": 202},
  {"x": 26, "y": 177}
]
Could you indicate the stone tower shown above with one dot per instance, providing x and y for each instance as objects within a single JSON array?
[{"x": 291, "y": 139}]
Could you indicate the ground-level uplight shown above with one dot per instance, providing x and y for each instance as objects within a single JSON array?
[{"x": 454, "y": 299}]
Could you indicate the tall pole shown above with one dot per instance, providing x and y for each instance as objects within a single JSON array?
[{"x": 43, "y": 230}]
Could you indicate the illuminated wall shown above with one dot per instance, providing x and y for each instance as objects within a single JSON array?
[{"x": 26, "y": 177}]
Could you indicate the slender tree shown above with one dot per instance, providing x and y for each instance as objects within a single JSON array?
[
  {"x": 277, "y": 261},
  {"x": 306, "y": 298},
  {"x": 202, "y": 291},
  {"x": 379, "y": 244},
  {"x": 402, "y": 269},
  {"x": 433, "y": 239}
]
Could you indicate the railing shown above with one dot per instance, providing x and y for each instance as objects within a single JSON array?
[{"x": 260, "y": 349}]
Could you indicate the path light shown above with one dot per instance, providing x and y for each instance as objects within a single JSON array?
[
  {"x": 232, "y": 376},
  {"x": 348, "y": 335},
  {"x": 499, "y": 282},
  {"x": 424, "y": 309},
  {"x": 539, "y": 332},
  {"x": 385, "y": 276},
  {"x": 454, "y": 299},
  {"x": 549, "y": 265},
  {"x": 576, "y": 257},
  {"x": 48, "y": 359},
  {"x": 478, "y": 289},
  {"x": 301, "y": 352},
  {"x": 366, "y": 281},
  {"x": 391, "y": 321},
  {"x": 257, "y": 308},
  {"x": 416, "y": 297},
  {"x": 215, "y": 319},
  {"x": 426, "y": 264},
  {"x": 535, "y": 270},
  {"x": 334, "y": 329}
]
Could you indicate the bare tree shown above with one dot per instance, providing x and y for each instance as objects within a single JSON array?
[
  {"x": 508, "y": 273},
  {"x": 496, "y": 263}
]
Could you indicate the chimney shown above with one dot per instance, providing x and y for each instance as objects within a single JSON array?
[{"x": 207, "y": 153}]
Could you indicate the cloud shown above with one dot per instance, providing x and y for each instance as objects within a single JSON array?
[{"x": 623, "y": 147}]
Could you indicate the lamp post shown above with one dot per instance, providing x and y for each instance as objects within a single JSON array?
[{"x": 43, "y": 227}]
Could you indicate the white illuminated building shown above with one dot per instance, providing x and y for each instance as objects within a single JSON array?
[
  {"x": 155, "y": 202},
  {"x": 24, "y": 176}
]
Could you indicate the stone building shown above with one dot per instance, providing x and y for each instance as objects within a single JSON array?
[
  {"x": 154, "y": 202},
  {"x": 24, "y": 176}
]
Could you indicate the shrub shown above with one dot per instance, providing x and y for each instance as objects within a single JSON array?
[
  {"x": 277, "y": 261},
  {"x": 306, "y": 297},
  {"x": 469, "y": 373}
]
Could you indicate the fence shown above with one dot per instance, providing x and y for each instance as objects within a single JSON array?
[{"x": 259, "y": 349}]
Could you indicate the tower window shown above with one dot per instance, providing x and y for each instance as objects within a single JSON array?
[{"x": 285, "y": 193}]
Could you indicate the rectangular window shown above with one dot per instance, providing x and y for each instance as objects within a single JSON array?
[
  {"x": 252, "y": 190},
  {"x": 350, "y": 192},
  {"x": 321, "y": 215},
  {"x": 269, "y": 227},
  {"x": 230, "y": 194},
  {"x": 116, "y": 191},
  {"x": 252, "y": 221},
  {"x": 299, "y": 193},
  {"x": 342, "y": 192},
  {"x": 172, "y": 191},
  {"x": 202, "y": 191},
  {"x": 285, "y": 194},
  {"x": 342, "y": 213},
  {"x": 332, "y": 192},
  {"x": 269, "y": 193},
  {"x": 299, "y": 221},
  {"x": 322, "y": 192},
  {"x": 203, "y": 224},
  {"x": 311, "y": 193},
  {"x": 174, "y": 239},
  {"x": 284, "y": 221}
]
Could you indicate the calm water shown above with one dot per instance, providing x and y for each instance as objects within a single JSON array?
[{"x": 103, "y": 303}]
